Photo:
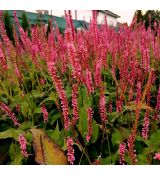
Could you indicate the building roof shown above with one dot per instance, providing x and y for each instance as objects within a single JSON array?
[{"x": 107, "y": 12}]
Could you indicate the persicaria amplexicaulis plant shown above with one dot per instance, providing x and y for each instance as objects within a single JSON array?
[{"x": 94, "y": 93}]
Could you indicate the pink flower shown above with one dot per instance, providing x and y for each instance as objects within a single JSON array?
[
  {"x": 157, "y": 156},
  {"x": 70, "y": 150},
  {"x": 75, "y": 62},
  {"x": 89, "y": 119},
  {"x": 102, "y": 108},
  {"x": 3, "y": 62},
  {"x": 97, "y": 74},
  {"x": 122, "y": 150},
  {"x": 23, "y": 145},
  {"x": 89, "y": 83},
  {"x": 61, "y": 92},
  {"x": 45, "y": 113},
  {"x": 139, "y": 94},
  {"x": 42, "y": 81},
  {"x": 8, "y": 111},
  {"x": 119, "y": 104},
  {"x": 75, "y": 103},
  {"x": 131, "y": 150}
]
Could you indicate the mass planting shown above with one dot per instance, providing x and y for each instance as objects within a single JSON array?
[{"x": 88, "y": 96}]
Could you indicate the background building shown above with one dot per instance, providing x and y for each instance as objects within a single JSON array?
[{"x": 86, "y": 15}]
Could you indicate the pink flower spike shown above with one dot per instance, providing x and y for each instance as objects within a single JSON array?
[
  {"x": 122, "y": 150},
  {"x": 75, "y": 104},
  {"x": 23, "y": 145},
  {"x": 70, "y": 149},
  {"x": 157, "y": 156},
  {"x": 45, "y": 113},
  {"x": 8, "y": 111}
]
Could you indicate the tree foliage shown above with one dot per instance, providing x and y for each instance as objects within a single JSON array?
[
  {"x": 150, "y": 18},
  {"x": 8, "y": 25},
  {"x": 25, "y": 24}
]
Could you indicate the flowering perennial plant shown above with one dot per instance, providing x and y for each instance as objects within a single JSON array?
[{"x": 86, "y": 95}]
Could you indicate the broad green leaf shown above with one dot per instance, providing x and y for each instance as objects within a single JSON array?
[
  {"x": 25, "y": 125},
  {"x": 46, "y": 151},
  {"x": 56, "y": 135},
  {"x": 116, "y": 138},
  {"x": 84, "y": 103},
  {"x": 95, "y": 132},
  {"x": 10, "y": 133},
  {"x": 142, "y": 159},
  {"x": 82, "y": 122},
  {"x": 154, "y": 140},
  {"x": 109, "y": 160}
]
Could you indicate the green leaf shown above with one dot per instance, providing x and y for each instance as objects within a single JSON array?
[
  {"x": 154, "y": 141},
  {"x": 56, "y": 135},
  {"x": 142, "y": 159},
  {"x": 25, "y": 125},
  {"x": 139, "y": 138},
  {"x": 37, "y": 94},
  {"x": 37, "y": 111},
  {"x": 82, "y": 122},
  {"x": 54, "y": 117},
  {"x": 109, "y": 160},
  {"x": 25, "y": 109},
  {"x": 10, "y": 133},
  {"x": 116, "y": 138},
  {"x": 4, "y": 100},
  {"x": 95, "y": 132},
  {"x": 84, "y": 103},
  {"x": 50, "y": 98}
]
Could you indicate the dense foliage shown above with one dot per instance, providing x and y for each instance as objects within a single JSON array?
[
  {"x": 85, "y": 97},
  {"x": 150, "y": 18}
]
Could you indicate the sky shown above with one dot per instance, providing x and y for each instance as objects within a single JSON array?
[{"x": 126, "y": 15}]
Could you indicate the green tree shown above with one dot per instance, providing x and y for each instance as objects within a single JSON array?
[
  {"x": 139, "y": 16},
  {"x": 150, "y": 17},
  {"x": 8, "y": 25},
  {"x": 25, "y": 24},
  {"x": 49, "y": 27}
]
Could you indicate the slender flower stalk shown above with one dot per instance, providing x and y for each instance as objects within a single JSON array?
[
  {"x": 89, "y": 120},
  {"x": 145, "y": 128}
]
